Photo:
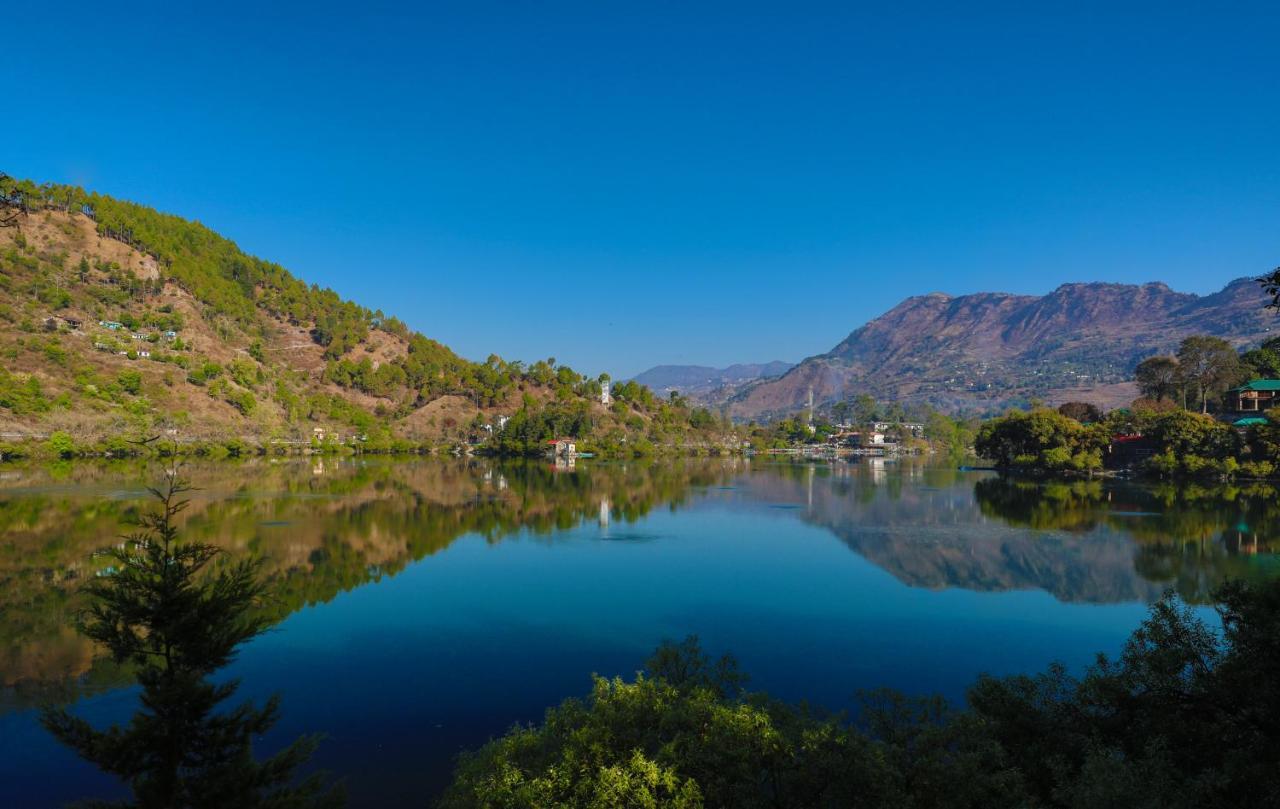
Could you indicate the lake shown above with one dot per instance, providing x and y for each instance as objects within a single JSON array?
[{"x": 424, "y": 605}]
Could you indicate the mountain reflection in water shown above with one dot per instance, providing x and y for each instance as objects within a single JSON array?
[
  {"x": 1078, "y": 540},
  {"x": 328, "y": 526},
  {"x": 425, "y": 605},
  {"x": 321, "y": 527}
]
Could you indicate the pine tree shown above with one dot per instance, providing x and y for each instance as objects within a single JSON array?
[{"x": 177, "y": 612}]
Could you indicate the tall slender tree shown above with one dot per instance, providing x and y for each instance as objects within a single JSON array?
[
  {"x": 178, "y": 613},
  {"x": 1209, "y": 365}
]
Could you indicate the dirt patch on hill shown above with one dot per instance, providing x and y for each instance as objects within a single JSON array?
[
  {"x": 1107, "y": 397},
  {"x": 448, "y": 415}
]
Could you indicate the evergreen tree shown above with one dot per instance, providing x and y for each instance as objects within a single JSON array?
[
  {"x": 1271, "y": 283},
  {"x": 178, "y": 613},
  {"x": 13, "y": 201}
]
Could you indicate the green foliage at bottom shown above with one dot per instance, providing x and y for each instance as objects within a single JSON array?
[
  {"x": 686, "y": 735},
  {"x": 1186, "y": 717}
]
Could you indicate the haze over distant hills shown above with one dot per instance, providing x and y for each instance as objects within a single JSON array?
[
  {"x": 986, "y": 351},
  {"x": 703, "y": 381}
]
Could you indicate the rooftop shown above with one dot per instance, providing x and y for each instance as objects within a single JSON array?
[{"x": 1259, "y": 384}]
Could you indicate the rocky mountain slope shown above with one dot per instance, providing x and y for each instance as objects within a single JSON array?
[
  {"x": 118, "y": 321},
  {"x": 706, "y": 383},
  {"x": 985, "y": 351}
]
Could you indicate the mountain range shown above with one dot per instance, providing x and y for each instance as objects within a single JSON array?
[
  {"x": 987, "y": 351},
  {"x": 116, "y": 318},
  {"x": 705, "y": 382}
]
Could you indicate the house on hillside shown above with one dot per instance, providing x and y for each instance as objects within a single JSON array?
[
  {"x": 1250, "y": 421},
  {"x": 51, "y": 323},
  {"x": 911, "y": 428},
  {"x": 562, "y": 448},
  {"x": 1254, "y": 396},
  {"x": 321, "y": 435},
  {"x": 865, "y": 440},
  {"x": 1128, "y": 449},
  {"x": 113, "y": 325},
  {"x": 842, "y": 437}
]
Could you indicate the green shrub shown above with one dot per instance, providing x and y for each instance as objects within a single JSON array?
[
  {"x": 130, "y": 382},
  {"x": 1042, "y": 440},
  {"x": 62, "y": 445}
]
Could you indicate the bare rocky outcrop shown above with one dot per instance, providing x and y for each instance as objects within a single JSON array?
[{"x": 986, "y": 351}]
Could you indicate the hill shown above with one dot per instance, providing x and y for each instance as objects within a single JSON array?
[
  {"x": 986, "y": 351},
  {"x": 117, "y": 320},
  {"x": 705, "y": 382}
]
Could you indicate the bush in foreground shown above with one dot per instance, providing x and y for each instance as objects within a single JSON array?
[{"x": 1185, "y": 717}]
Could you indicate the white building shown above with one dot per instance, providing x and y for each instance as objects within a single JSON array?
[
  {"x": 563, "y": 448},
  {"x": 905, "y": 427}
]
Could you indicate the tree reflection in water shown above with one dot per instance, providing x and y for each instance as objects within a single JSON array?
[
  {"x": 1189, "y": 536},
  {"x": 176, "y": 613},
  {"x": 315, "y": 531},
  {"x": 319, "y": 531}
]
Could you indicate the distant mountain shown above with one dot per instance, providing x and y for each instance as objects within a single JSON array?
[
  {"x": 988, "y": 350},
  {"x": 702, "y": 381}
]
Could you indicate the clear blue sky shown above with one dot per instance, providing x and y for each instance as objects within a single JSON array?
[{"x": 625, "y": 184}]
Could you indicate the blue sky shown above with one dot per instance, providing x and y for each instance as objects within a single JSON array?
[{"x": 619, "y": 185}]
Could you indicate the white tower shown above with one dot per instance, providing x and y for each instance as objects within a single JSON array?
[{"x": 605, "y": 397}]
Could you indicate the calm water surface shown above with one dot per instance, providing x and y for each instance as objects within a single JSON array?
[{"x": 425, "y": 605}]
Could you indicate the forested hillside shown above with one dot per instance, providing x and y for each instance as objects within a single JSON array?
[{"x": 117, "y": 321}]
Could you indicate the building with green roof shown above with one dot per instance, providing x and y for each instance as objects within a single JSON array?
[
  {"x": 1254, "y": 396},
  {"x": 1249, "y": 421}
]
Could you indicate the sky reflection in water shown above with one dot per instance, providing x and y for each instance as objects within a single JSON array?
[{"x": 426, "y": 605}]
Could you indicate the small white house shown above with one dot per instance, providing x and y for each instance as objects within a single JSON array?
[
  {"x": 904, "y": 427},
  {"x": 322, "y": 435},
  {"x": 562, "y": 448}
]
